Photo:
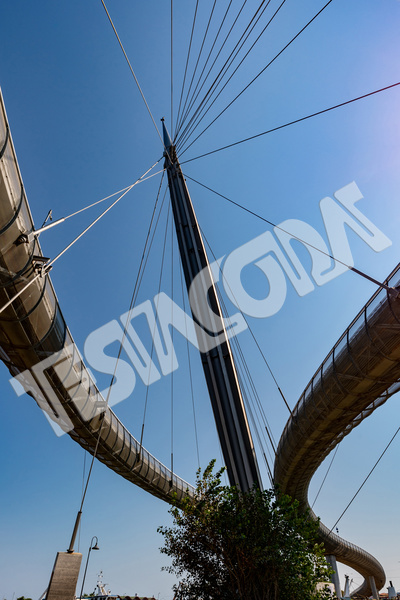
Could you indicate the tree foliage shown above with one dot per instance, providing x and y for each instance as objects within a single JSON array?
[{"x": 228, "y": 545}]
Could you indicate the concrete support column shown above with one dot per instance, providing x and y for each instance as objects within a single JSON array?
[
  {"x": 331, "y": 559},
  {"x": 64, "y": 577},
  {"x": 372, "y": 583}
]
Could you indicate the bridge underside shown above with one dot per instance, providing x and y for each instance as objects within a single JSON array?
[
  {"x": 360, "y": 373},
  {"x": 38, "y": 349}
]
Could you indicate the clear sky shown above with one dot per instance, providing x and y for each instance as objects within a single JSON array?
[{"x": 82, "y": 132}]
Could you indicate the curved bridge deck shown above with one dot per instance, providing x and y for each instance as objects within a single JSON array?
[
  {"x": 38, "y": 349},
  {"x": 359, "y": 374}
]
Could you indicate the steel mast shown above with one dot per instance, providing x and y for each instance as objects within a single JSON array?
[{"x": 218, "y": 364}]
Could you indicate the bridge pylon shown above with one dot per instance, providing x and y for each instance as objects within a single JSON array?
[{"x": 217, "y": 360}]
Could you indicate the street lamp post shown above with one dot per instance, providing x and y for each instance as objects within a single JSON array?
[{"x": 91, "y": 547}]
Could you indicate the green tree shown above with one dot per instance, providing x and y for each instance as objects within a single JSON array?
[{"x": 228, "y": 545}]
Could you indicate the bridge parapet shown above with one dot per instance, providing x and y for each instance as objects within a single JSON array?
[
  {"x": 37, "y": 346},
  {"x": 358, "y": 375}
]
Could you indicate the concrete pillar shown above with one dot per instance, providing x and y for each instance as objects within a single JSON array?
[
  {"x": 331, "y": 559},
  {"x": 372, "y": 583},
  {"x": 64, "y": 577}
]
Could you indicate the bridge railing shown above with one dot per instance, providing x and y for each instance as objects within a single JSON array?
[
  {"x": 358, "y": 361},
  {"x": 359, "y": 374},
  {"x": 38, "y": 348}
]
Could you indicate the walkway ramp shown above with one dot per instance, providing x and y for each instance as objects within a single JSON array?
[
  {"x": 38, "y": 349},
  {"x": 359, "y": 374}
]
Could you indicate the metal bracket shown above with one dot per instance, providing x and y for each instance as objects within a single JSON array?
[
  {"x": 26, "y": 238},
  {"x": 39, "y": 263}
]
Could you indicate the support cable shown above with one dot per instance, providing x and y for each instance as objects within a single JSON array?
[
  {"x": 266, "y": 426},
  {"x": 144, "y": 260},
  {"x": 172, "y": 351},
  {"x": 199, "y": 55},
  {"x": 326, "y": 475},
  {"x": 260, "y": 73},
  {"x": 172, "y": 73},
  {"x": 187, "y": 63},
  {"x": 222, "y": 73},
  {"x": 145, "y": 253},
  {"x": 48, "y": 265},
  {"x": 256, "y": 397},
  {"x": 194, "y": 127},
  {"x": 127, "y": 188},
  {"x": 320, "y": 112},
  {"x": 253, "y": 420},
  {"x": 46, "y": 226},
  {"x": 225, "y": 67},
  {"x": 132, "y": 71},
  {"x": 365, "y": 480},
  {"x": 236, "y": 344},
  {"x": 77, "y": 212},
  {"x": 391, "y": 290},
  {"x": 273, "y": 443},
  {"x": 152, "y": 240},
  {"x": 152, "y": 346},
  {"x": 215, "y": 60},
  {"x": 191, "y": 101},
  {"x": 155, "y": 324},
  {"x": 190, "y": 371},
  {"x": 78, "y": 517}
]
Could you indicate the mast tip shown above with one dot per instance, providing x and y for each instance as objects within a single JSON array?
[{"x": 167, "y": 139}]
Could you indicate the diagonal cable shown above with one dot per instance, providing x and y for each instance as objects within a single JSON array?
[
  {"x": 199, "y": 55},
  {"x": 48, "y": 265},
  {"x": 197, "y": 118},
  {"x": 190, "y": 370},
  {"x": 273, "y": 443},
  {"x": 172, "y": 70},
  {"x": 357, "y": 271},
  {"x": 191, "y": 101},
  {"x": 187, "y": 63},
  {"x": 84, "y": 492},
  {"x": 326, "y": 475},
  {"x": 224, "y": 70},
  {"x": 216, "y": 58},
  {"x": 260, "y": 73},
  {"x": 320, "y": 112},
  {"x": 132, "y": 71},
  {"x": 365, "y": 480}
]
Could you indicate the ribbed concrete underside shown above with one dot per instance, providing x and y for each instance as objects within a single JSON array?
[{"x": 360, "y": 373}]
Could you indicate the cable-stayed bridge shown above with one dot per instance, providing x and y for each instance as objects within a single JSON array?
[{"x": 360, "y": 373}]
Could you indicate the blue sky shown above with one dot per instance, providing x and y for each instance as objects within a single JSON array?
[{"x": 81, "y": 132}]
